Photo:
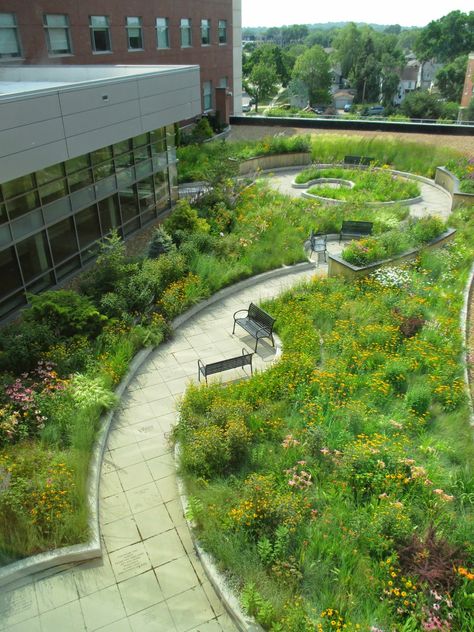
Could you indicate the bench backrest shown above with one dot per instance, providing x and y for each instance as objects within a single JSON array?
[
  {"x": 259, "y": 316},
  {"x": 358, "y": 160},
  {"x": 229, "y": 363},
  {"x": 353, "y": 227},
  {"x": 317, "y": 242}
]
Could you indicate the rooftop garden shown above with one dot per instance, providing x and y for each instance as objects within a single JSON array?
[
  {"x": 61, "y": 361},
  {"x": 463, "y": 169}
]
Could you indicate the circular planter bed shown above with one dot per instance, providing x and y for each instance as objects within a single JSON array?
[{"x": 369, "y": 186}]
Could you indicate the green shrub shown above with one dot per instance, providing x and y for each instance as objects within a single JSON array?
[
  {"x": 66, "y": 312},
  {"x": 110, "y": 267},
  {"x": 23, "y": 344},
  {"x": 160, "y": 243},
  {"x": 418, "y": 398},
  {"x": 182, "y": 220}
]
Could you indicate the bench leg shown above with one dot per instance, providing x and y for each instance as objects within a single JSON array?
[
  {"x": 273, "y": 342},
  {"x": 233, "y": 329},
  {"x": 256, "y": 343}
]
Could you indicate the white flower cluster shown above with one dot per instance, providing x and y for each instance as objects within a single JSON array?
[{"x": 391, "y": 277}]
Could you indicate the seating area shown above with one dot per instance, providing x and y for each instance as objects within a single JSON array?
[
  {"x": 256, "y": 322},
  {"x": 240, "y": 361},
  {"x": 358, "y": 160},
  {"x": 355, "y": 229}
]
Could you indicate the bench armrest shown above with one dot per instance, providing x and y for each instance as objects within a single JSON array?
[
  {"x": 201, "y": 365},
  {"x": 241, "y": 311}
]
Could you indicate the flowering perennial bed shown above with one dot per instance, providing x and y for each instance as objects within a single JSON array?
[{"x": 337, "y": 488}]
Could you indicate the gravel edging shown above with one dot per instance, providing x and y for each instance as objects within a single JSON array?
[{"x": 92, "y": 549}]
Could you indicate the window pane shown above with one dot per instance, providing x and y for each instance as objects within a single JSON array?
[
  {"x": 34, "y": 256},
  {"x": 185, "y": 32},
  {"x": 222, "y": 31},
  {"x": 128, "y": 202},
  {"x": 63, "y": 240},
  {"x": 120, "y": 148},
  {"x": 79, "y": 180},
  {"x": 101, "y": 155},
  {"x": 146, "y": 194},
  {"x": 100, "y": 20},
  {"x": 18, "y": 186},
  {"x": 3, "y": 214},
  {"x": 124, "y": 160},
  {"x": 134, "y": 33},
  {"x": 162, "y": 33},
  {"x": 49, "y": 174},
  {"x": 109, "y": 214},
  {"x": 88, "y": 227},
  {"x": 9, "y": 41},
  {"x": 22, "y": 204},
  {"x": 9, "y": 272},
  {"x": 103, "y": 170},
  {"x": 53, "y": 191},
  {"x": 139, "y": 141},
  {"x": 76, "y": 164},
  {"x": 56, "y": 20},
  {"x": 205, "y": 32}
]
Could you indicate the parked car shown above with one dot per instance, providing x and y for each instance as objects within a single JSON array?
[
  {"x": 348, "y": 107},
  {"x": 375, "y": 110},
  {"x": 246, "y": 107}
]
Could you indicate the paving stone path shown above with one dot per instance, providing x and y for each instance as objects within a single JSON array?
[{"x": 149, "y": 578}]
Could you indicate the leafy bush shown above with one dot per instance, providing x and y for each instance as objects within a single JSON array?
[
  {"x": 23, "y": 344},
  {"x": 182, "y": 294},
  {"x": 66, "y": 312},
  {"x": 184, "y": 219},
  {"x": 109, "y": 268}
]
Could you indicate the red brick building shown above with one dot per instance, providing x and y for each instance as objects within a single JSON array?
[{"x": 204, "y": 32}]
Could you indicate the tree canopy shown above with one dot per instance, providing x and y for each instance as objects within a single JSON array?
[
  {"x": 313, "y": 69},
  {"x": 446, "y": 38}
]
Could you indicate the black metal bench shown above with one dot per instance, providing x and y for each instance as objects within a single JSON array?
[
  {"x": 257, "y": 323},
  {"x": 355, "y": 229},
  {"x": 224, "y": 365},
  {"x": 318, "y": 244},
  {"x": 358, "y": 160}
]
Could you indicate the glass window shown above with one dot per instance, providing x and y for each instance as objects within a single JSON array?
[
  {"x": 9, "y": 37},
  {"x": 121, "y": 147},
  {"x": 58, "y": 37},
  {"x": 62, "y": 238},
  {"x": 12, "y": 188},
  {"x": 22, "y": 204},
  {"x": 53, "y": 191},
  {"x": 222, "y": 32},
  {"x": 223, "y": 81},
  {"x": 158, "y": 141},
  {"x": 100, "y": 33},
  {"x": 205, "y": 32},
  {"x": 9, "y": 272},
  {"x": 104, "y": 170},
  {"x": 49, "y": 174},
  {"x": 162, "y": 33},
  {"x": 128, "y": 202},
  {"x": 76, "y": 164},
  {"x": 79, "y": 180},
  {"x": 34, "y": 256},
  {"x": 88, "y": 227},
  {"x": 109, "y": 214},
  {"x": 139, "y": 141},
  {"x": 101, "y": 155},
  {"x": 134, "y": 33},
  {"x": 124, "y": 160},
  {"x": 146, "y": 194},
  {"x": 142, "y": 153},
  {"x": 207, "y": 95},
  {"x": 186, "y": 39},
  {"x": 3, "y": 214}
]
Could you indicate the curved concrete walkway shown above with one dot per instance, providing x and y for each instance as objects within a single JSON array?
[
  {"x": 149, "y": 578},
  {"x": 435, "y": 201}
]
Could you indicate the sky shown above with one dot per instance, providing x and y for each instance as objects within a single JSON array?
[{"x": 403, "y": 12}]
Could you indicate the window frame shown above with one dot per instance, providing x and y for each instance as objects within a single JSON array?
[
  {"x": 207, "y": 96},
  {"x": 186, "y": 28},
  {"x": 106, "y": 28},
  {"x": 130, "y": 27},
  {"x": 16, "y": 31},
  {"x": 222, "y": 32},
  {"x": 66, "y": 28},
  {"x": 205, "y": 26},
  {"x": 163, "y": 28}
]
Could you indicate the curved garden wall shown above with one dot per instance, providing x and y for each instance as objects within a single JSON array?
[
  {"x": 275, "y": 161},
  {"x": 337, "y": 267},
  {"x": 450, "y": 183}
]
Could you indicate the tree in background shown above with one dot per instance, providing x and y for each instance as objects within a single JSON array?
[
  {"x": 348, "y": 46},
  {"x": 313, "y": 69},
  {"x": 365, "y": 73},
  {"x": 446, "y": 38},
  {"x": 421, "y": 104},
  {"x": 262, "y": 83},
  {"x": 272, "y": 55},
  {"x": 450, "y": 78}
]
